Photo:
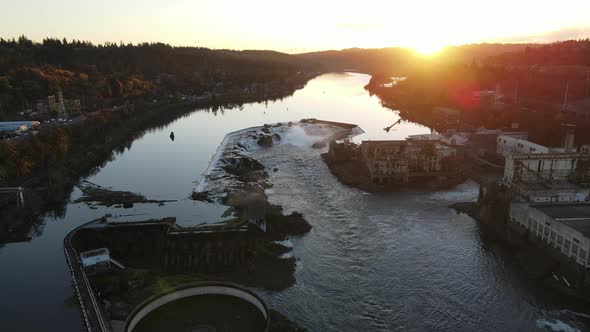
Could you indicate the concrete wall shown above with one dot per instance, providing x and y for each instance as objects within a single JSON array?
[
  {"x": 181, "y": 292},
  {"x": 158, "y": 247},
  {"x": 567, "y": 240}
]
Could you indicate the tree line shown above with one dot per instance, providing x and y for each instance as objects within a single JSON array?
[{"x": 98, "y": 74}]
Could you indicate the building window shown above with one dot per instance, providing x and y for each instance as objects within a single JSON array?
[
  {"x": 583, "y": 255},
  {"x": 566, "y": 245}
]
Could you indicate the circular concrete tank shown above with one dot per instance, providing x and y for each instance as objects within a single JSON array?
[{"x": 203, "y": 306}]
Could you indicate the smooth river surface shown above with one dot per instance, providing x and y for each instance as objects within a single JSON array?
[{"x": 401, "y": 261}]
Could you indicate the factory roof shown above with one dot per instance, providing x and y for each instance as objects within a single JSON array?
[
  {"x": 548, "y": 186},
  {"x": 576, "y": 216}
]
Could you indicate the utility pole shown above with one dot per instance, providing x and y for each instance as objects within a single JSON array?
[
  {"x": 516, "y": 93},
  {"x": 567, "y": 87},
  {"x": 62, "y": 113},
  {"x": 497, "y": 95},
  {"x": 588, "y": 82}
]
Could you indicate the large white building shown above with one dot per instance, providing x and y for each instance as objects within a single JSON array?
[
  {"x": 531, "y": 163},
  {"x": 565, "y": 227},
  {"x": 509, "y": 146}
]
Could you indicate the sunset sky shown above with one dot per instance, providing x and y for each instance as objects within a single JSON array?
[{"x": 298, "y": 26}]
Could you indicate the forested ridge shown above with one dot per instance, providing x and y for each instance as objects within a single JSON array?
[{"x": 102, "y": 74}]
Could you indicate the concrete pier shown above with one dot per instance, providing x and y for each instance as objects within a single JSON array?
[{"x": 91, "y": 312}]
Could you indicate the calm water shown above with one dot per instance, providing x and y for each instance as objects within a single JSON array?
[{"x": 389, "y": 262}]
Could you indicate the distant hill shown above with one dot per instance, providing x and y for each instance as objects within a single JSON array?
[
  {"x": 358, "y": 59},
  {"x": 30, "y": 71},
  {"x": 567, "y": 53},
  {"x": 399, "y": 60}
]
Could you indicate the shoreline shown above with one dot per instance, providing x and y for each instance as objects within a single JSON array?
[
  {"x": 536, "y": 260},
  {"x": 354, "y": 174},
  {"x": 49, "y": 188}
]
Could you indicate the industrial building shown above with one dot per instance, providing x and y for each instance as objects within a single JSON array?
[
  {"x": 510, "y": 146},
  {"x": 545, "y": 167},
  {"x": 399, "y": 161},
  {"x": 539, "y": 174},
  {"x": 12, "y": 126},
  {"x": 552, "y": 192},
  {"x": 565, "y": 227},
  {"x": 481, "y": 142},
  {"x": 60, "y": 106}
]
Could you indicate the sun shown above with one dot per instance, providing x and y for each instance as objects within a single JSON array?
[{"x": 427, "y": 48}]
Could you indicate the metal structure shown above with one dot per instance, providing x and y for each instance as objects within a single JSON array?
[
  {"x": 523, "y": 169},
  {"x": 51, "y": 104},
  {"x": 62, "y": 113},
  {"x": 20, "y": 199}
]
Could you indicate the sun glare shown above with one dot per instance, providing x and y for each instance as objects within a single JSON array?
[{"x": 427, "y": 49}]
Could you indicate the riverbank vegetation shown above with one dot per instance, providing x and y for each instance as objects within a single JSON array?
[
  {"x": 105, "y": 74},
  {"x": 524, "y": 90},
  {"x": 49, "y": 164},
  {"x": 398, "y": 61}
]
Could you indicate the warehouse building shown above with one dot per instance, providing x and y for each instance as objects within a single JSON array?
[
  {"x": 565, "y": 227},
  {"x": 399, "y": 161}
]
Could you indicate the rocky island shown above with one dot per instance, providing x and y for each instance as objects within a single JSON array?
[{"x": 238, "y": 177}]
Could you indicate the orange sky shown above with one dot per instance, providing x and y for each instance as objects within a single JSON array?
[{"x": 298, "y": 26}]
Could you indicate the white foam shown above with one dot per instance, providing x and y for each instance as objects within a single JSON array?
[
  {"x": 287, "y": 255},
  {"x": 556, "y": 325},
  {"x": 202, "y": 181},
  {"x": 285, "y": 243},
  {"x": 297, "y": 136}
]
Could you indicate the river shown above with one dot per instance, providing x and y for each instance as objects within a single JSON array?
[{"x": 401, "y": 261}]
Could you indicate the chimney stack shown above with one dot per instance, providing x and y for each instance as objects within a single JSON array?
[{"x": 568, "y": 139}]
